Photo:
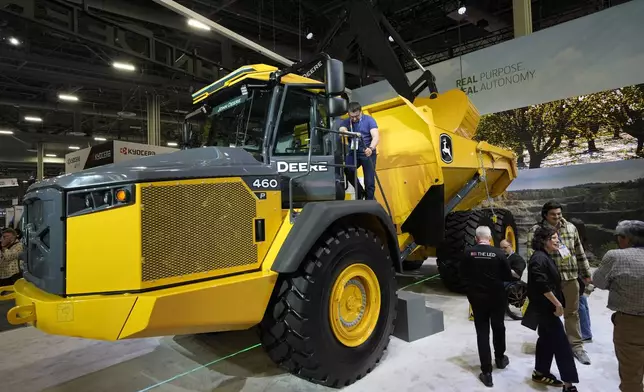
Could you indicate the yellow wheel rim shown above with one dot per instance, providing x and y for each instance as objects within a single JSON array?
[
  {"x": 510, "y": 236},
  {"x": 354, "y": 305}
]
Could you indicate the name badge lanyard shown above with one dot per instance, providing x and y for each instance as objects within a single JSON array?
[{"x": 354, "y": 140}]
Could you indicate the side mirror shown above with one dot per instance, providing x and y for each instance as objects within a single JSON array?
[
  {"x": 337, "y": 106},
  {"x": 334, "y": 77}
]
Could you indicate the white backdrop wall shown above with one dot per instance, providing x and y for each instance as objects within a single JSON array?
[{"x": 595, "y": 53}]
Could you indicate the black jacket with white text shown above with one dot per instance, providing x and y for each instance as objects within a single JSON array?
[{"x": 484, "y": 269}]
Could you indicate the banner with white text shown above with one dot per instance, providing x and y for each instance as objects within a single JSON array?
[{"x": 571, "y": 59}]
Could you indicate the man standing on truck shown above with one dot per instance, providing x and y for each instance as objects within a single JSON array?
[
  {"x": 365, "y": 148},
  {"x": 484, "y": 270},
  {"x": 572, "y": 263}
]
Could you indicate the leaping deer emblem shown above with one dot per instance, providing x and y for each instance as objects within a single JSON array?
[{"x": 446, "y": 150}]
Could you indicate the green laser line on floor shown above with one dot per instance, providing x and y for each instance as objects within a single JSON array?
[
  {"x": 419, "y": 282},
  {"x": 200, "y": 367}
]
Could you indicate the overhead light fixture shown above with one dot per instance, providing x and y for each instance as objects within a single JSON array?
[
  {"x": 391, "y": 39},
  {"x": 309, "y": 36},
  {"x": 123, "y": 66},
  {"x": 100, "y": 139},
  {"x": 74, "y": 148},
  {"x": 50, "y": 155},
  {"x": 5, "y": 132},
  {"x": 462, "y": 10},
  {"x": 172, "y": 144},
  {"x": 198, "y": 25},
  {"x": 67, "y": 97},
  {"x": 181, "y": 111},
  {"x": 14, "y": 41},
  {"x": 33, "y": 119}
]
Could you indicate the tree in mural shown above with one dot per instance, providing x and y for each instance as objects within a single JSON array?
[
  {"x": 591, "y": 116},
  {"x": 538, "y": 129},
  {"x": 626, "y": 112}
]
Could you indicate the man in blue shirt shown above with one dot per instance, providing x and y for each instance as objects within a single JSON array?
[{"x": 365, "y": 149}]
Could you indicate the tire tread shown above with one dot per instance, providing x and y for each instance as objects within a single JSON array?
[{"x": 283, "y": 332}]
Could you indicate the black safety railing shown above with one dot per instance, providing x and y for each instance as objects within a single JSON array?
[
  {"x": 313, "y": 137},
  {"x": 352, "y": 137}
]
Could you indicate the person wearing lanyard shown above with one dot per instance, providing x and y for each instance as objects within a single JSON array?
[
  {"x": 365, "y": 148},
  {"x": 622, "y": 273},
  {"x": 572, "y": 263}
]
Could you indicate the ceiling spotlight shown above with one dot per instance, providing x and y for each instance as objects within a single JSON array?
[
  {"x": 309, "y": 36},
  {"x": 50, "y": 155},
  {"x": 198, "y": 25},
  {"x": 172, "y": 144},
  {"x": 100, "y": 139},
  {"x": 14, "y": 41},
  {"x": 391, "y": 39},
  {"x": 67, "y": 97},
  {"x": 461, "y": 10},
  {"x": 74, "y": 148},
  {"x": 123, "y": 66},
  {"x": 33, "y": 119},
  {"x": 4, "y": 132}
]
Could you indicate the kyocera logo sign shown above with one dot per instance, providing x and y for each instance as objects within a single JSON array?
[
  {"x": 73, "y": 160},
  {"x": 135, "y": 151}
]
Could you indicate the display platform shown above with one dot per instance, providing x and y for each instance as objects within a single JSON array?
[{"x": 232, "y": 362}]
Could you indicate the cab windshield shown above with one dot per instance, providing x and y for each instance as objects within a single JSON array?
[{"x": 237, "y": 118}]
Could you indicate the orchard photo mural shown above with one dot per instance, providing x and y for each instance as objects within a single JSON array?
[
  {"x": 583, "y": 152},
  {"x": 601, "y": 127}
]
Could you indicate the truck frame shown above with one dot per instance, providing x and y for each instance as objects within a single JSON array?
[{"x": 257, "y": 230}]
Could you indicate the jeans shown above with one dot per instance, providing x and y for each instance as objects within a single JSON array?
[
  {"x": 488, "y": 312},
  {"x": 553, "y": 343},
  {"x": 584, "y": 318},
  {"x": 368, "y": 165}
]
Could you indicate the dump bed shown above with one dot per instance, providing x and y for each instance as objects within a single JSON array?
[{"x": 430, "y": 143}]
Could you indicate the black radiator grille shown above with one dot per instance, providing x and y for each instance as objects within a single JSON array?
[{"x": 45, "y": 240}]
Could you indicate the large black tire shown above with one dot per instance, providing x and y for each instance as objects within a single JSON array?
[
  {"x": 460, "y": 232},
  {"x": 296, "y": 330},
  {"x": 505, "y": 224}
]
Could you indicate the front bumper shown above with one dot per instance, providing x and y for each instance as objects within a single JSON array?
[
  {"x": 94, "y": 317},
  {"x": 232, "y": 303}
]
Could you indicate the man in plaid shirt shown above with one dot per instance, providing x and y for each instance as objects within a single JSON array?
[
  {"x": 622, "y": 273},
  {"x": 572, "y": 263}
]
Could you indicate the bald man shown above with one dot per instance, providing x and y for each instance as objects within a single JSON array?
[{"x": 517, "y": 264}]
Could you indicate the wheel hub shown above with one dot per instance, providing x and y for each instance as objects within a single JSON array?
[{"x": 354, "y": 306}]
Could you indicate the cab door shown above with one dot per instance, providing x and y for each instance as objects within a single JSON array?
[{"x": 289, "y": 155}]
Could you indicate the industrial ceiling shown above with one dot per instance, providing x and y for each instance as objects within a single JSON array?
[{"x": 53, "y": 49}]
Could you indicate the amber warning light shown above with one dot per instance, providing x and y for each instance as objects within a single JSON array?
[{"x": 121, "y": 196}]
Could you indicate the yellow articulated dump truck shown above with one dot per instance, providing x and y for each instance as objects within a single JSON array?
[{"x": 257, "y": 229}]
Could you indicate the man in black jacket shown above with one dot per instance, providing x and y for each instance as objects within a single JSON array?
[
  {"x": 517, "y": 264},
  {"x": 484, "y": 269}
]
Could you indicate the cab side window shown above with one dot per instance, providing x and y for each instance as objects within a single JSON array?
[{"x": 294, "y": 127}]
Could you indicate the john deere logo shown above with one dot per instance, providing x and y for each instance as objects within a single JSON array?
[{"x": 446, "y": 148}]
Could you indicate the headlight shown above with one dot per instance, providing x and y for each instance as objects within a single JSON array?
[{"x": 86, "y": 201}]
